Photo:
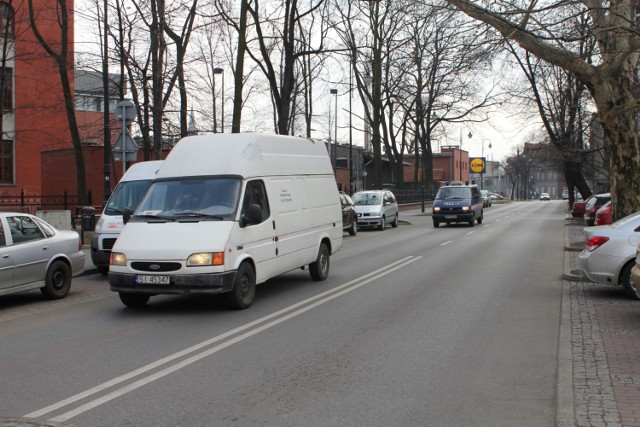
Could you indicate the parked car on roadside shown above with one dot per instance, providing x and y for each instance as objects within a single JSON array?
[
  {"x": 592, "y": 207},
  {"x": 545, "y": 196},
  {"x": 578, "y": 207},
  {"x": 486, "y": 198},
  {"x": 349, "y": 214},
  {"x": 35, "y": 255},
  {"x": 610, "y": 251},
  {"x": 376, "y": 208},
  {"x": 604, "y": 215}
]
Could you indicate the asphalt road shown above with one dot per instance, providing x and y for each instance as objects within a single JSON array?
[{"x": 415, "y": 326}]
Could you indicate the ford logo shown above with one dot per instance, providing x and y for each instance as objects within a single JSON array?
[{"x": 154, "y": 267}]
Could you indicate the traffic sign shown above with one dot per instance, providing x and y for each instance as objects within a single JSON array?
[{"x": 477, "y": 164}]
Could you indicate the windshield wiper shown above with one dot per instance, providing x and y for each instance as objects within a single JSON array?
[
  {"x": 192, "y": 214},
  {"x": 155, "y": 217}
]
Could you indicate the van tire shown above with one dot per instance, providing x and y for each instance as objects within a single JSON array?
[
  {"x": 244, "y": 288},
  {"x": 103, "y": 270},
  {"x": 383, "y": 223},
  {"x": 319, "y": 269},
  {"x": 472, "y": 222},
  {"x": 626, "y": 282},
  {"x": 134, "y": 300},
  {"x": 58, "y": 281},
  {"x": 436, "y": 224},
  {"x": 481, "y": 218}
]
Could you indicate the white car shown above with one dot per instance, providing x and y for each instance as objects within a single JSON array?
[
  {"x": 545, "y": 196},
  {"x": 35, "y": 255},
  {"x": 609, "y": 253},
  {"x": 376, "y": 208}
]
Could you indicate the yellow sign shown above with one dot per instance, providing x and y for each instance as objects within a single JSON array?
[{"x": 477, "y": 164}]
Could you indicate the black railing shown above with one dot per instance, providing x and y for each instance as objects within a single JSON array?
[
  {"x": 31, "y": 203},
  {"x": 412, "y": 192}
]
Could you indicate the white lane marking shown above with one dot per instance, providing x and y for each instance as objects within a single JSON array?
[
  {"x": 470, "y": 232},
  {"x": 446, "y": 243},
  {"x": 292, "y": 311}
]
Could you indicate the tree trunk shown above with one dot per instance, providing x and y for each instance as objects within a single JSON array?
[{"x": 618, "y": 109}]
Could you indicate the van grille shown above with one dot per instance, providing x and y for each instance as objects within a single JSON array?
[
  {"x": 107, "y": 244},
  {"x": 156, "y": 266}
]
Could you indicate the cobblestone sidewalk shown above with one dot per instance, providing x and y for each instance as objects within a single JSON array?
[{"x": 605, "y": 346}]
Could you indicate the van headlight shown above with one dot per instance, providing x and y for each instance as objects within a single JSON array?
[
  {"x": 118, "y": 258},
  {"x": 465, "y": 208},
  {"x": 436, "y": 208},
  {"x": 205, "y": 258}
]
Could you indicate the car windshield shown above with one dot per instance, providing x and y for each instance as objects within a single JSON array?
[
  {"x": 127, "y": 195},
  {"x": 191, "y": 198},
  {"x": 453, "y": 193},
  {"x": 360, "y": 199}
]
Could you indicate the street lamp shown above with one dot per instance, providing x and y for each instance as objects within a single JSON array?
[
  {"x": 218, "y": 71},
  {"x": 335, "y": 126}
]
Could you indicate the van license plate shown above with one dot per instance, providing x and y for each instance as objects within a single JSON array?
[
  {"x": 153, "y": 280},
  {"x": 450, "y": 217}
]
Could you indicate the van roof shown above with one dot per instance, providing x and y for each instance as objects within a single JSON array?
[
  {"x": 247, "y": 155},
  {"x": 142, "y": 170}
]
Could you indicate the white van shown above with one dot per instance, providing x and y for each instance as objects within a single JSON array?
[
  {"x": 227, "y": 212},
  {"x": 128, "y": 193}
]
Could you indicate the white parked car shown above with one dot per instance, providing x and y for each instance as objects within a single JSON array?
[
  {"x": 609, "y": 253},
  {"x": 35, "y": 255},
  {"x": 376, "y": 208}
]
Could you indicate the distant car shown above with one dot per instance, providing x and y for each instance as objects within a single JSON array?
[
  {"x": 610, "y": 251},
  {"x": 349, "y": 214},
  {"x": 604, "y": 215},
  {"x": 486, "y": 198},
  {"x": 592, "y": 207},
  {"x": 496, "y": 196},
  {"x": 376, "y": 208},
  {"x": 35, "y": 255},
  {"x": 545, "y": 196}
]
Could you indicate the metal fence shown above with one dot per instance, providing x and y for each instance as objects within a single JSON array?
[
  {"x": 412, "y": 192},
  {"x": 30, "y": 203}
]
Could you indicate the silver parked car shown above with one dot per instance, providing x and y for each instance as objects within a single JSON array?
[
  {"x": 376, "y": 208},
  {"x": 35, "y": 255},
  {"x": 610, "y": 251}
]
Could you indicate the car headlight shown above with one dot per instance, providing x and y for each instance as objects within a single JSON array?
[
  {"x": 117, "y": 258},
  {"x": 205, "y": 258},
  {"x": 436, "y": 209}
]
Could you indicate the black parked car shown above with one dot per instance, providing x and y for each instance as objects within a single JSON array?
[
  {"x": 592, "y": 206},
  {"x": 349, "y": 215}
]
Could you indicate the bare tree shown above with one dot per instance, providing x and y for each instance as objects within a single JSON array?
[
  {"x": 609, "y": 75},
  {"x": 58, "y": 50}
]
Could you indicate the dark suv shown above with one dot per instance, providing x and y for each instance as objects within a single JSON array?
[
  {"x": 349, "y": 215},
  {"x": 457, "y": 203},
  {"x": 592, "y": 206}
]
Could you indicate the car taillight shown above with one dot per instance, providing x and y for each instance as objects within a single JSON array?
[{"x": 594, "y": 242}]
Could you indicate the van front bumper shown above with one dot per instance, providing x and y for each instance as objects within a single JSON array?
[
  {"x": 453, "y": 217},
  {"x": 213, "y": 283}
]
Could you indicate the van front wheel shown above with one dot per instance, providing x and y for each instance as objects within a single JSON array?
[
  {"x": 244, "y": 288},
  {"x": 319, "y": 269}
]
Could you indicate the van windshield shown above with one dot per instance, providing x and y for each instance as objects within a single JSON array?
[
  {"x": 200, "y": 198},
  {"x": 453, "y": 193},
  {"x": 127, "y": 195}
]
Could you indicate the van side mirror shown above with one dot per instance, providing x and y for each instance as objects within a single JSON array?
[
  {"x": 253, "y": 215},
  {"x": 126, "y": 215}
]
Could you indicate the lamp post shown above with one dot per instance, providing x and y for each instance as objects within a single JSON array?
[
  {"x": 107, "y": 125},
  {"x": 334, "y": 148},
  {"x": 218, "y": 71}
]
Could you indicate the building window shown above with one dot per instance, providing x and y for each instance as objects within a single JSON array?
[
  {"x": 6, "y": 20},
  {"x": 7, "y": 90},
  {"x": 6, "y": 162}
]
